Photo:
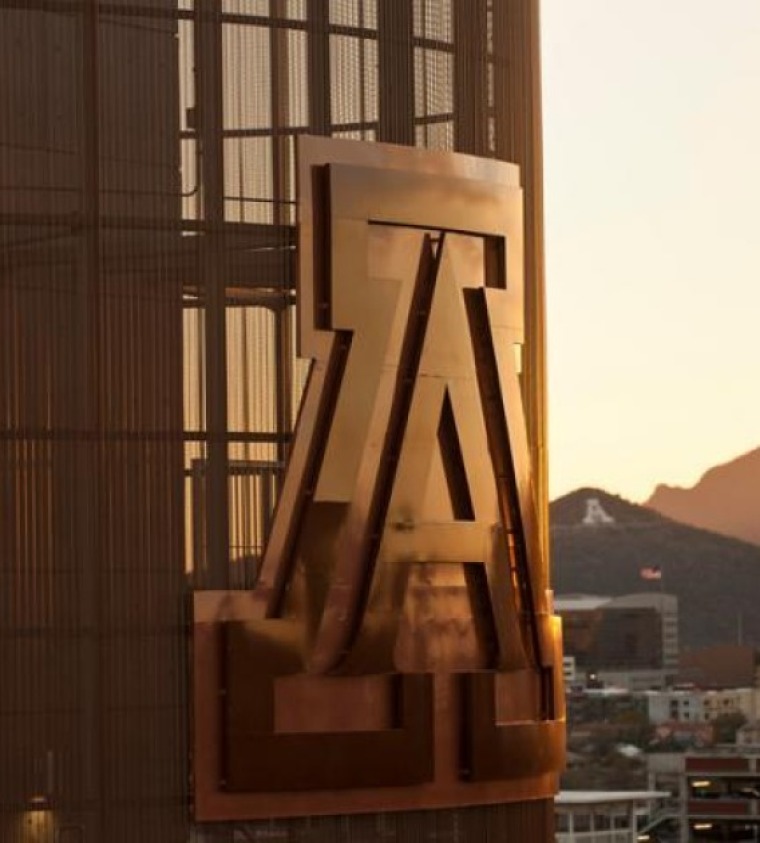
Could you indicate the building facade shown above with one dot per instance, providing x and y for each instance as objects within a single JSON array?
[
  {"x": 721, "y": 666},
  {"x": 698, "y": 706},
  {"x": 629, "y": 641},
  {"x": 598, "y": 816},
  {"x": 721, "y": 795},
  {"x": 149, "y": 381}
]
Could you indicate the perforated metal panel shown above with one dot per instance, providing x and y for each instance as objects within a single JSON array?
[{"x": 148, "y": 377}]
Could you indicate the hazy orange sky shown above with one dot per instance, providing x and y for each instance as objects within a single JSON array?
[{"x": 652, "y": 179}]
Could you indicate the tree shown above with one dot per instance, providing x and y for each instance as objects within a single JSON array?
[{"x": 725, "y": 726}]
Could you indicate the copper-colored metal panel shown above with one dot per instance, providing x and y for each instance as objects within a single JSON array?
[
  {"x": 210, "y": 611},
  {"x": 392, "y": 727},
  {"x": 265, "y": 762},
  {"x": 404, "y": 560},
  {"x": 490, "y": 747}
]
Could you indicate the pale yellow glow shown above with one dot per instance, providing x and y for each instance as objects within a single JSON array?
[
  {"x": 34, "y": 826},
  {"x": 653, "y": 258}
]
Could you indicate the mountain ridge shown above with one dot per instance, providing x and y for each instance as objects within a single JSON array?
[
  {"x": 716, "y": 578},
  {"x": 724, "y": 499}
]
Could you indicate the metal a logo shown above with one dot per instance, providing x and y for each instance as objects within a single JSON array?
[{"x": 396, "y": 652}]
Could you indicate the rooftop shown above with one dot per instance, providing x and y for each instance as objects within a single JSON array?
[
  {"x": 579, "y": 602},
  {"x": 569, "y": 798}
]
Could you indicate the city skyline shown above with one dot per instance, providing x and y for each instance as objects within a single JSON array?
[{"x": 653, "y": 261}]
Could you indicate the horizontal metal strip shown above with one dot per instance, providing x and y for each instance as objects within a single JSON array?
[{"x": 29, "y": 434}]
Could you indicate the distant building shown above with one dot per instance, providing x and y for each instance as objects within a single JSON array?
[
  {"x": 698, "y": 706},
  {"x": 666, "y": 606},
  {"x": 629, "y": 641},
  {"x": 749, "y": 734},
  {"x": 721, "y": 666},
  {"x": 718, "y": 792},
  {"x": 684, "y": 735},
  {"x": 598, "y": 816},
  {"x": 569, "y": 672},
  {"x": 682, "y": 706},
  {"x": 605, "y": 705},
  {"x": 720, "y": 795},
  {"x": 665, "y": 770}
]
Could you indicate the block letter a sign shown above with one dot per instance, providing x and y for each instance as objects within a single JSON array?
[{"x": 397, "y": 651}]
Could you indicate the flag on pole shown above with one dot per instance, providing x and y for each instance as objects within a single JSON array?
[{"x": 650, "y": 572}]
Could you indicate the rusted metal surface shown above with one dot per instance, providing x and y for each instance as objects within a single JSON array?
[{"x": 405, "y": 554}]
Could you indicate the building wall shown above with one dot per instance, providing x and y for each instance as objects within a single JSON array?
[
  {"x": 726, "y": 666},
  {"x": 720, "y": 793},
  {"x": 628, "y": 639},
  {"x": 636, "y": 633},
  {"x": 634, "y": 680},
  {"x": 666, "y": 606},
  {"x": 91, "y": 562},
  {"x": 665, "y": 706},
  {"x": 749, "y": 735},
  {"x": 580, "y": 629},
  {"x": 569, "y": 671},
  {"x": 732, "y": 700},
  {"x": 148, "y": 383},
  {"x": 702, "y": 706}
]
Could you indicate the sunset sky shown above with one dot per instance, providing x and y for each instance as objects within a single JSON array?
[{"x": 652, "y": 180}]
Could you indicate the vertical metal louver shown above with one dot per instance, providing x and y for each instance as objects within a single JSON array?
[{"x": 148, "y": 377}]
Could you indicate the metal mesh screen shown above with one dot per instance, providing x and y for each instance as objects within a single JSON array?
[{"x": 148, "y": 377}]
